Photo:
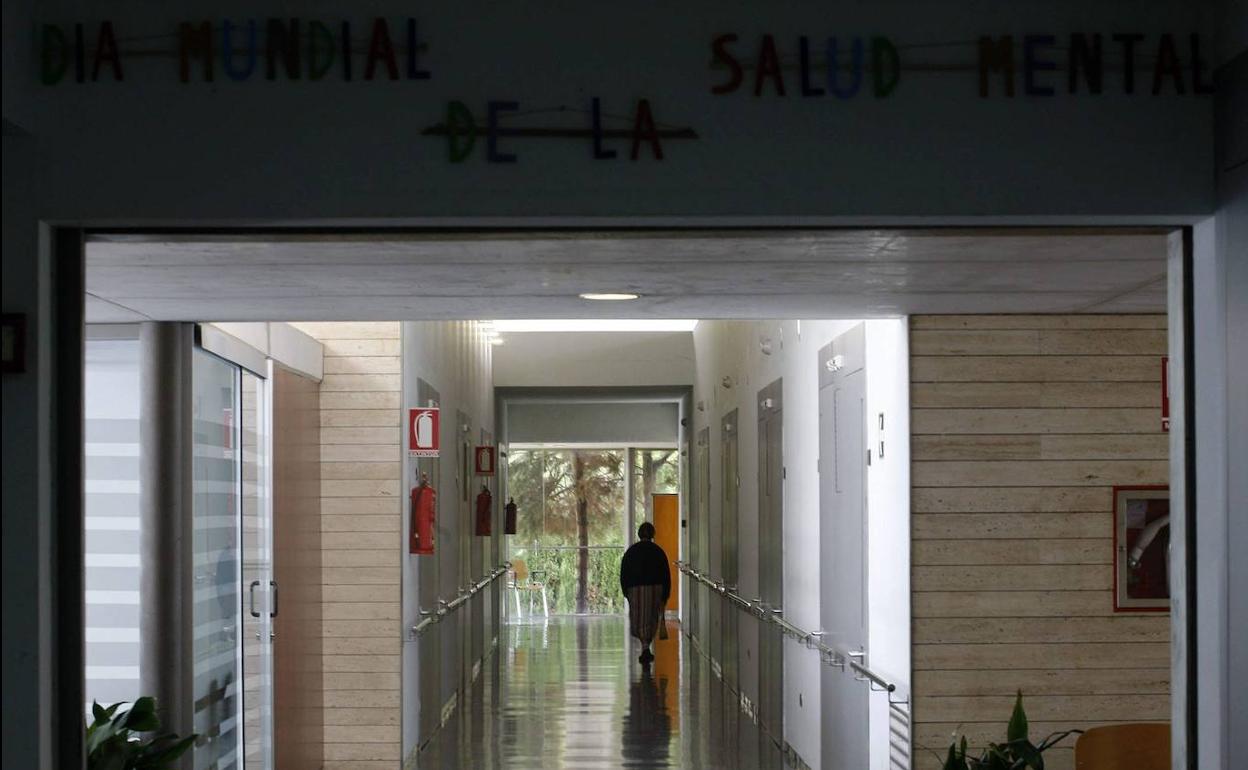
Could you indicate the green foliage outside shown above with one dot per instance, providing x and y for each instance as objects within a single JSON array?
[
  {"x": 560, "y": 568},
  {"x": 569, "y": 500},
  {"x": 546, "y": 488},
  {"x": 655, "y": 471}
]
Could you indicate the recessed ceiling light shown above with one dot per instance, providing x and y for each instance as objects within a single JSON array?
[{"x": 609, "y": 296}]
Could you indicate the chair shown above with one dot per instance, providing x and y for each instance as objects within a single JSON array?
[
  {"x": 520, "y": 579},
  {"x": 537, "y": 584},
  {"x": 1140, "y": 746}
]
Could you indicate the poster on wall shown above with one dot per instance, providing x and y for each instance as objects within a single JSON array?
[{"x": 1141, "y": 549}]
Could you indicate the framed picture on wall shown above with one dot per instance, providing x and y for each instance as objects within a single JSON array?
[{"x": 1141, "y": 549}]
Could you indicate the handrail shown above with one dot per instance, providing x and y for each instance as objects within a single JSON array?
[
  {"x": 832, "y": 656},
  {"x": 446, "y": 607}
]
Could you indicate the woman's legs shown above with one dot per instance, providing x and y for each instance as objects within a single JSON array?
[{"x": 645, "y": 610}]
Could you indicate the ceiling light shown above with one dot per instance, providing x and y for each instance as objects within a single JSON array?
[
  {"x": 609, "y": 296},
  {"x": 597, "y": 325},
  {"x": 496, "y": 340}
]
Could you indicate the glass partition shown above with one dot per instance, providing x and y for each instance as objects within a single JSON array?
[
  {"x": 571, "y": 526},
  {"x": 234, "y": 594},
  {"x": 215, "y": 525},
  {"x": 111, "y": 467}
]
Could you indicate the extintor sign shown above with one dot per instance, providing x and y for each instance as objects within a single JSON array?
[
  {"x": 485, "y": 460},
  {"x": 423, "y": 432}
]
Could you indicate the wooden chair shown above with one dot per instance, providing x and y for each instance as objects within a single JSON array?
[{"x": 1140, "y": 746}]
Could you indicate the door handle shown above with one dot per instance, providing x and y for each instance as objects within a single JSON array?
[
  {"x": 251, "y": 598},
  {"x": 273, "y": 585}
]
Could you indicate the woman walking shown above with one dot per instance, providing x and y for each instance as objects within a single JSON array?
[{"x": 646, "y": 579}]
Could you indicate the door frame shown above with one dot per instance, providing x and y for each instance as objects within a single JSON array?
[{"x": 62, "y": 264}]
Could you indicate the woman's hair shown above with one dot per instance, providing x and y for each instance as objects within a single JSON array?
[{"x": 646, "y": 531}]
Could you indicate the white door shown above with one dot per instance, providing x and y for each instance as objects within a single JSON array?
[{"x": 843, "y": 543}]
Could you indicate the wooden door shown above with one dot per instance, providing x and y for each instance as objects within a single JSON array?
[{"x": 667, "y": 537}]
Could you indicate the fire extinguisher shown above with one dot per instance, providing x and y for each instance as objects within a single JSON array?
[
  {"x": 485, "y": 511},
  {"x": 509, "y": 519},
  {"x": 424, "y": 509}
]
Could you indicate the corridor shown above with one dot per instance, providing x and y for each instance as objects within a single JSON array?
[{"x": 568, "y": 693}]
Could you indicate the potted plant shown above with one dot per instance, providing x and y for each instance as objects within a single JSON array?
[
  {"x": 114, "y": 743},
  {"x": 1017, "y": 753}
]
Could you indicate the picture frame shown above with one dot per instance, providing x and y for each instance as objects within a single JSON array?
[{"x": 1141, "y": 548}]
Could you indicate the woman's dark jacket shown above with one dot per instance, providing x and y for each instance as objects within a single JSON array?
[{"x": 645, "y": 564}]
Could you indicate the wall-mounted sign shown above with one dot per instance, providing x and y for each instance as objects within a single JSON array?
[
  {"x": 423, "y": 431},
  {"x": 762, "y": 64},
  {"x": 1046, "y": 65},
  {"x": 641, "y": 131},
  {"x": 758, "y": 66},
  {"x": 238, "y": 50},
  {"x": 1141, "y": 545},
  {"x": 485, "y": 460}
]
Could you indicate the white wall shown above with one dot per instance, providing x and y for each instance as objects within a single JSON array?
[
  {"x": 888, "y": 520},
  {"x": 733, "y": 349},
  {"x": 455, "y": 358},
  {"x": 587, "y": 359}
]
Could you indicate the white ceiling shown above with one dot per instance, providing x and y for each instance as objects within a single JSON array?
[{"x": 704, "y": 274}]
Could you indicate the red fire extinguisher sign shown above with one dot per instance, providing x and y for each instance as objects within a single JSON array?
[
  {"x": 423, "y": 432},
  {"x": 485, "y": 460}
]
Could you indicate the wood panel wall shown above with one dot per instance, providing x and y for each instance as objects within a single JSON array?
[
  {"x": 361, "y": 510},
  {"x": 1021, "y": 425},
  {"x": 299, "y": 660}
]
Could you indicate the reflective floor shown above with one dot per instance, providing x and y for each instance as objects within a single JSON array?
[{"x": 568, "y": 693}]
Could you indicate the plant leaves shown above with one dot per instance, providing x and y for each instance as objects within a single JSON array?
[
  {"x": 162, "y": 756},
  {"x": 1017, "y": 730},
  {"x": 1055, "y": 738},
  {"x": 142, "y": 717},
  {"x": 1029, "y": 756},
  {"x": 954, "y": 761},
  {"x": 113, "y": 745}
]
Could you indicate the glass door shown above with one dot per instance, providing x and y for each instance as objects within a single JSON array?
[
  {"x": 235, "y": 598},
  {"x": 261, "y": 595},
  {"x": 215, "y": 519}
]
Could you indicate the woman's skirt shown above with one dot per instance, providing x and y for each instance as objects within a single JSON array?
[{"x": 645, "y": 611}]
